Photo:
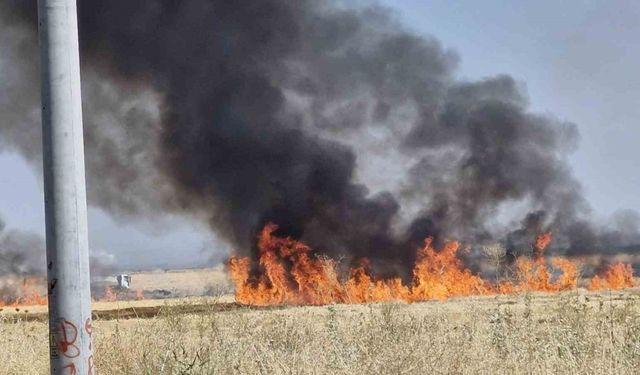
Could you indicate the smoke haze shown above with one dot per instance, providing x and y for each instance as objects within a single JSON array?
[
  {"x": 23, "y": 254},
  {"x": 335, "y": 123}
]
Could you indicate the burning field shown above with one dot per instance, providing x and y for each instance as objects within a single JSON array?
[
  {"x": 383, "y": 213},
  {"x": 289, "y": 273},
  {"x": 347, "y": 130},
  {"x": 446, "y": 318}
]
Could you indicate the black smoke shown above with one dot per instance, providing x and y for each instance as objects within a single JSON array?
[{"x": 268, "y": 111}]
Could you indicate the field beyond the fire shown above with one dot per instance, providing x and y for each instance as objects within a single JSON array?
[{"x": 572, "y": 332}]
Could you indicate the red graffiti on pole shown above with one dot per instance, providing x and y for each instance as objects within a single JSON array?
[
  {"x": 89, "y": 329},
  {"x": 90, "y": 365},
  {"x": 67, "y": 336},
  {"x": 72, "y": 369}
]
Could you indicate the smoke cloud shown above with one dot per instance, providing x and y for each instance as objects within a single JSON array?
[
  {"x": 336, "y": 123},
  {"x": 23, "y": 254}
]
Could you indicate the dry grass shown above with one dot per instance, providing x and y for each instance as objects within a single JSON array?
[
  {"x": 530, "y": 334},
  {"x": 182, "y": 282}
]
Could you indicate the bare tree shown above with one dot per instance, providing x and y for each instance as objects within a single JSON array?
[{"x": 495, "y": 253}]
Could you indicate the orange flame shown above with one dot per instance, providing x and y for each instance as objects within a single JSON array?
[
  {"x": 139, "y": 295},
  {"x": 440, "y": 275},
  {"x": 535, "y": 275},
  {"x": 616, "y": 276},
  {"x": 29, "y": 295},
  {"x": 288, "y": 273},
  {"x": 109, "y": 295},
  {"x": 542, "y": 241}
]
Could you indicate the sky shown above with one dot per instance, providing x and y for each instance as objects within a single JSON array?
[{"x": 578, "y": 61}]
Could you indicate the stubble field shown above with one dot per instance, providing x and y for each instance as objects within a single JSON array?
[{"x": 569, "y": 333}]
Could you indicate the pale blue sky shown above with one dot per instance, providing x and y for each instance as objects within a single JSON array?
[{"x": 579, "y": 60}]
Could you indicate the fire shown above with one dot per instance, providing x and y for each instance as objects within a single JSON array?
[
  {"x": 310, "y": 280},
  {"x": 28, "y": 295},
  {"x": 616, "y": 276},
  {"x": 112, "y": 294},
  {"x": 109, "y": 295},
  {"x": 288, "y": 273},
  {"x": 139, "y": 295},
  {"x": 535, "y": 275},
  {"x": 440, "y": 275},
  {"x": 542, "y": 241}
]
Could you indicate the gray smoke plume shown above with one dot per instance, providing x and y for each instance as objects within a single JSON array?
[
  {"x": 121, "y": 118},
  {"x": 21, "y": 257},
  {"x": 23, "y": 253},
  {"x": 247, "y": 112}
]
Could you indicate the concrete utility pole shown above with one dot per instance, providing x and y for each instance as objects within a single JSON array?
[{"x": 65, "y": 191}]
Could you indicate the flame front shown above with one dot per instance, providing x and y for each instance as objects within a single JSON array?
[
  {"x": 28, "y": 295},
  {"x": 289, "y": 273},
  {"x": 616, "y": 276}
]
